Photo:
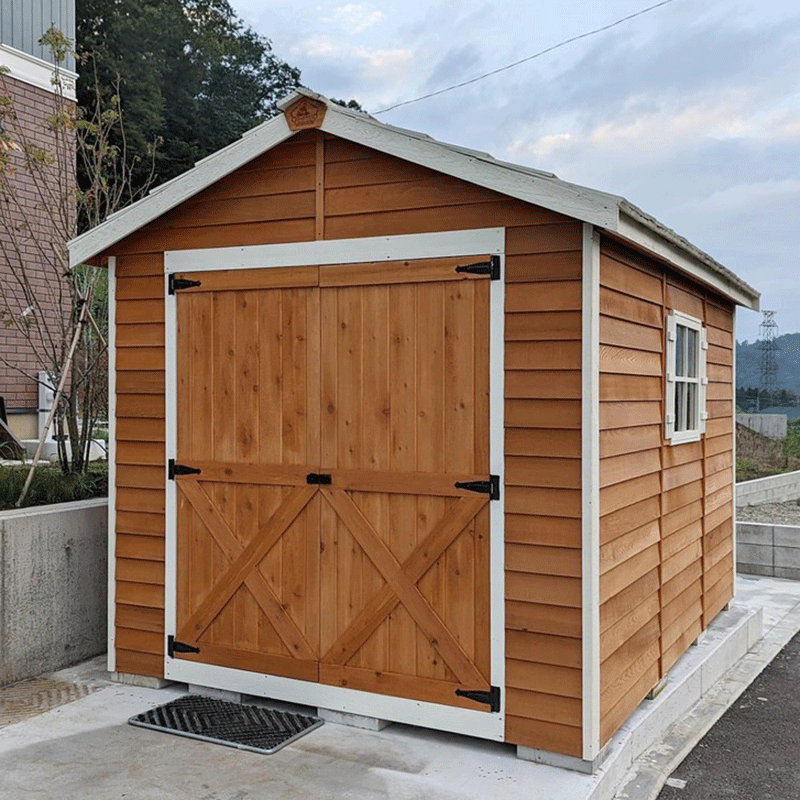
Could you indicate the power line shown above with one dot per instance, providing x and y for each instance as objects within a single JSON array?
[{"x": 528, "y": 58}]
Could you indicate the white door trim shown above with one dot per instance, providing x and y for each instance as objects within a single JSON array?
[
  {"x": 347, "y": 251},
  {"x": 339, "y": 251}
]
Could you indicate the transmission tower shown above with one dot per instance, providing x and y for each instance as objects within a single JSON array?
[{"x": 769, "y": 363}]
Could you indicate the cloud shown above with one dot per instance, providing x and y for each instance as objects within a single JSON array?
[
  {"x": 375, "y": 59},
  {"x": 457, "y": 64},
  {"x": 355, "y": 18},
  {"x": 741, "y": 197}
]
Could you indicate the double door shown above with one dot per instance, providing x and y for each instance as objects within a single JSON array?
[{"x": 339, "y": 420}]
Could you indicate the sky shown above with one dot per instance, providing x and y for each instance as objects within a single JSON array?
[{"x": 691, "y": 111}]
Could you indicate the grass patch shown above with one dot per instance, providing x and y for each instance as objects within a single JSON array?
[
  {"x": 758, "y": 456},
  {"x": 51, "y": 486}
]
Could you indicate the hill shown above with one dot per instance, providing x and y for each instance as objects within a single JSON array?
[{"x": 748, "y": 363}]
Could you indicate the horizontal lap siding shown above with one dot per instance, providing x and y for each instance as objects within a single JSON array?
[
  {"x": 139, "y": 568},
  {"x": 664, "y": 573},
  {"x": 718, "y": 557},
  {"x": 543, "y": 486},
  {"x": 370, "y": 194}
]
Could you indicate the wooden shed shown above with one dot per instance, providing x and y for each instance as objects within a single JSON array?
[{"x": 404, "y": 431}]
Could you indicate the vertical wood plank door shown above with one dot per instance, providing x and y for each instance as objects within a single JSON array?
[
  {"x": 248, "y": 523},
  {"x": 375, "y": 379},
  {"x": 404, "y": 565}
]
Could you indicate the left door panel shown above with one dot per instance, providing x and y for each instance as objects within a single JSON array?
[{"x": 248, "y": 524}]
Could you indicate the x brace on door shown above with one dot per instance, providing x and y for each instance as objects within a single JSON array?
[{"x": 401, "y": 579}]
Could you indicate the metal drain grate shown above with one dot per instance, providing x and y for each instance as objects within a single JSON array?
[{"x": 260, "y": 730}]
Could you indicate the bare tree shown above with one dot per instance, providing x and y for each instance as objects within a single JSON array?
[{"x": 60, "y": 312}]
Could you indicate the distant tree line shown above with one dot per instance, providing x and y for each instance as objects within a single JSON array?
[
  {"x": 751, "y": 399},
  {"x": 190, "y": 75}
]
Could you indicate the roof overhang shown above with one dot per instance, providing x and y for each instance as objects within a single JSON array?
[
  {"x": 647, "y": 234},
  {"x": 171, "y": 194},
  {"x": 609, "y": 212}
]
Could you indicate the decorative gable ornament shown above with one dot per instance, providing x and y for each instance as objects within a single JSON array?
[{"x": 305, "y": 114}]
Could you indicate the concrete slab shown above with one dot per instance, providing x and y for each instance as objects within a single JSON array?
[{"x": 85, "y": 748}]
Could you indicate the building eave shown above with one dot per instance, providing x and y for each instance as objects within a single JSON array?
[{"x": 608, "y": 212}]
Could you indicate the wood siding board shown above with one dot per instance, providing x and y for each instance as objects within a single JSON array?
[
  {"x": 629, "y": 598},
  {"x": 620, "y": 441},
  {"x": 560, "y": 265},
  {"x": 541, "y": 560},
  {"x": 545, "y": 707},
  {"x": 544, "y": 649},
  {"x": 543, "y": 618},
  {"x": 542, "y": 325},
  {"x": 552, "y": 590},
  {"x": 544, "y": 735},
  {"x": 547, "y": 678},
  {"x": 543, "y": 530}
]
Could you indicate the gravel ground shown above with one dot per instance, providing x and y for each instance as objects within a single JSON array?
[{"x": 787, "y": 513}]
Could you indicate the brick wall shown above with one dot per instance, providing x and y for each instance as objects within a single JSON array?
[{"x": 32, "y": 107}]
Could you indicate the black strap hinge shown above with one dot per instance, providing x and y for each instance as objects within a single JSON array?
[
  {"x": 174, "y": 646},
  {"x": 490, "y": 698},
  {"x": 174, "y": 469},
  {"x": 318, "y": 479},
  {"x": 490, "y": 487},
  {"x": 490, "y": 268},
  {"x": 174, "y": 284}
]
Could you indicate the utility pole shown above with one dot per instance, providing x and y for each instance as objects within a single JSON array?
[{"x": 769, "y": 363}]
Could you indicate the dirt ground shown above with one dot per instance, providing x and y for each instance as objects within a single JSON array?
[{"x": 758, "y": 456}]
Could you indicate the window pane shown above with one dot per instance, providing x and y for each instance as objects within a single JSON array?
[
  {"x": 680, "y": 406},
  {"x": 691, "y": 406},
  {"x": 680, "y": 359},
  {"x": 691, "y": 353}
]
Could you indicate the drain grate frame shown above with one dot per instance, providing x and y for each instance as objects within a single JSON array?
[{"x": 244, "y": 727}]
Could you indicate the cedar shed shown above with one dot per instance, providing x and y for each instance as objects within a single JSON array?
[{"x": 404, "y": 431}]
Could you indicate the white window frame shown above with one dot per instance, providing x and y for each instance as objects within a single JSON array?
[{"x": 698, "y": 426}]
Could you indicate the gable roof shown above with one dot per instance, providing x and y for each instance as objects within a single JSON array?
[{"x": 612, "y": 213}]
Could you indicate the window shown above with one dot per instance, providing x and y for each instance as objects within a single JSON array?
[{"x": 686, "y": 378}]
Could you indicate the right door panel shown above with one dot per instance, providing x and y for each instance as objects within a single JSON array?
[{"x": 404, "y": 563}]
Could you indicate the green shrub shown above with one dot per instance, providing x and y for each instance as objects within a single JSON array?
[
  {"x": 793, "y": 439},
  {"x": 50, "y": 485}
]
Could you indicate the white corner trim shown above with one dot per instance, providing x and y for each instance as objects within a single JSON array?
[
  {"x": 644, "y": 237},
  {"x": 36, "y": 71},
  {"x": 112, "y": 462},
  {"x": 174, "y": 192},
  {"x": 590, "y": 492},
  {"x": 340, "y": 251},
  {"x": 497, "y": 549},
  {"x": 583, "y": 203}
]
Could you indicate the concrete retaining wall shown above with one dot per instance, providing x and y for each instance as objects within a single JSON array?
[
  {"x": 772, "y": 489},
  {"x": 53, "y": 595},
  {"x": 771, "y": 425},
  {"x": 766, "y": 549}
]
